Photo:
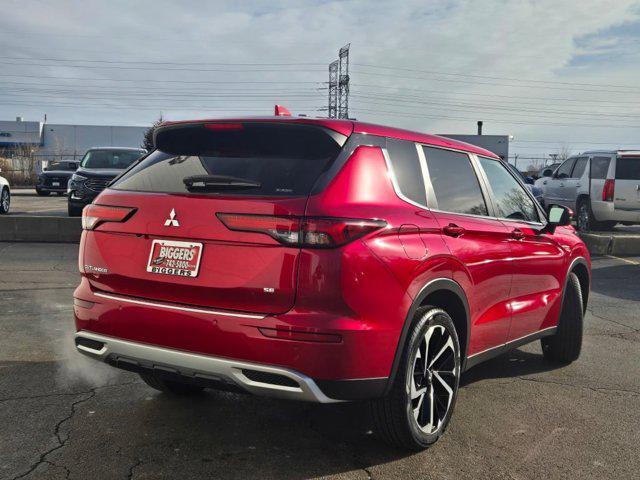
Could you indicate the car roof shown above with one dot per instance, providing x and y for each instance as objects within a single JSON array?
[
  {"x": 613, "y": 152},
  {"x": 126, "y": 149},
  {"x": 347, "y": 127}
]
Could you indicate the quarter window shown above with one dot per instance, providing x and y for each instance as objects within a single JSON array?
[
  {"x": 406, "y": 168},
  {"x": 628, "y": 168},
  {"x": 511, "y": 199},
  {"x": 454, "y": 182},
  {"x": 600, "y": 167}
]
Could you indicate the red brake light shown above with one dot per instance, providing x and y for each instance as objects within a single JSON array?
[
  {"x": 223, "y": 126},
  {"x": 314, "y": 232},
  {"x": 94, "y": 215},
  {"x": 608, "y": 190}
]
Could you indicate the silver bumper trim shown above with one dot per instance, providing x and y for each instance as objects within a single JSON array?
[{"x": 193, "y": 364}]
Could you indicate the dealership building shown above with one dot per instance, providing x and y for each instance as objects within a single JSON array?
[{"x": 57, "y": 141}]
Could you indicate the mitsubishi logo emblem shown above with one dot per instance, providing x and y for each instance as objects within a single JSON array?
[{"x": 172, "y": 221}]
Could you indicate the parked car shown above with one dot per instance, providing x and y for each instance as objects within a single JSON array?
[
  {"x": 544, "y": 173},
  {"x": 527, "y": 182},
  {"x": 324, "y": 260},
  {"x": 603, "y": 187},
  {"x": 98, "y": 167},
  {"x": 5, "y": 195},
  {"x": 55, "y": 177}
]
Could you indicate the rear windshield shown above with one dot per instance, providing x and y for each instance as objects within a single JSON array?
[
  {"x": 69, "y": 166},
  {"x": 240, "y": 159},
  {"x": 109, "y": 159},
  {"x": 628, "y": 168}
]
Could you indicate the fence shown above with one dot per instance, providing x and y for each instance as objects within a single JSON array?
[{"x": 21, "y": 167}]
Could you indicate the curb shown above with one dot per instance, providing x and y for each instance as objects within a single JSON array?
[
  {"x": 40, "y": 229},
  {"x": 612, "y": 244}
]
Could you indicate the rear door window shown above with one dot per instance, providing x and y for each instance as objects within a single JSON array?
[
  {"x": 406, "y": 169},
  {"x": 628, "y": 168},
  {"x": 455, "y": 184},
  {"x": 262, "y": 159},
  {"x": 578, "y": 169},
  {"x": 600, "y": 167}
]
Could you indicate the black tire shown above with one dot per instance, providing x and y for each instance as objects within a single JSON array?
[
  {"x": 606, "y": 226},
  {"x": 74, "y": 211},
  {"x": 393, "y": 415},
  {"x": 170, "y": 386},
  {"x": 42, "y": 193},
  {"x": 565, "y": 345},
  {"x": 585, "y": 220},
  {"x": 5, "y": 201}
]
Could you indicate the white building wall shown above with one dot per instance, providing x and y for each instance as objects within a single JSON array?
[{"x": 70, "y": 140}]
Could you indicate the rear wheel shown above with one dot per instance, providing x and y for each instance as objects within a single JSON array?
[
  {"x": 418, "y": 408},
  {"x": 5, "y": 201},
  {"x": 170, "y": 386},
  {"x": 585, "y": 220},
  {"x": 565, "y": 345}
]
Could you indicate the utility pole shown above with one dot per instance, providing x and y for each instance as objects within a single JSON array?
[
  {"x": 343, "y": 82},
  {"x": 333, "y": 89}
]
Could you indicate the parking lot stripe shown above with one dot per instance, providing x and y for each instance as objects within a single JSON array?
[{"x": 632, "y": 262}]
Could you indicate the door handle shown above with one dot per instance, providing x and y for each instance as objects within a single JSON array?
[
  {"x": 577, "y": 185},
  {"x": 453, "y": 230},
  {"x": 544, "y": 183},
  {"x": 517, "y": 234},
  {"x": 562, "y": 184}
]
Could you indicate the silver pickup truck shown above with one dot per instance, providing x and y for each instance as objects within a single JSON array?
[{"x": 602, "y": 187}]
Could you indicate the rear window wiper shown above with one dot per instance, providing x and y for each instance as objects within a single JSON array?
[{"x": 218, "y": 182}]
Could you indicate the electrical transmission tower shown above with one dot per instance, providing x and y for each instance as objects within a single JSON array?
[
  {"x": 339, "y": 85},
  {"x": 343, "y": 82},
  {"x": 333, "y": 89}
]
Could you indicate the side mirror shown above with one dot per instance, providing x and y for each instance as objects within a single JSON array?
[
  {"x": 559, "y": 216},
  {"x": 547, "y": 172},
  {"x": 530, "y": 180}
]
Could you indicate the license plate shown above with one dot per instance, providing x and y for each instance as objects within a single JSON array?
[
  {"x": 174, "y": 258},
  {"x": 55, "y": 184}
]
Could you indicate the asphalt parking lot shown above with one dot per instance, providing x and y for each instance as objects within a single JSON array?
[
  {"x": 517, "y": 417},
  {"x": 27, "y": 202}
]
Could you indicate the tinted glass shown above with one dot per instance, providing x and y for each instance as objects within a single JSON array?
[
  {"x": 279, "y": 160},
  {"x": 579, "y": 167},
  {"x": 511, "y": 199},
  {"x": 69, "y": 166},
  {"x": 406, "y": 168},
  {"x": 565, "y": 169},
  {"x": 628, "y": 168},
  {"x": 455, "y": 184},
  {"x": 109, "y": 159},
  {"x": 600, "y": 167}
]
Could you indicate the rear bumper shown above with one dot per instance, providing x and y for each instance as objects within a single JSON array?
[
  {"x": 332, "y": 358},
  {"x": 278, "y": 382},
  {"x": 605, "y": 211}
]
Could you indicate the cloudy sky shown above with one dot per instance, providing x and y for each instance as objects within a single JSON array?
[{"x": 556, "y": 75}]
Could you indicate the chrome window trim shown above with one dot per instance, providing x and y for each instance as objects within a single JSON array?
[
  {"x": 394, "y": 181},
  {"x": 165, "y": 306}
]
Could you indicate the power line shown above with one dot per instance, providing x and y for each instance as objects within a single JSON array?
[
  {"x": 161, "y": 63},
  {"x": 433, "y": 72},
  {"x": 203, "y": 82}
]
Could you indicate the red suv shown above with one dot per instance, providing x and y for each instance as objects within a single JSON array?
[{"x": 324, "y": 260}]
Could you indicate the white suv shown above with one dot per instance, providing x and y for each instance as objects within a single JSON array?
[{"x": 603, "y": 187}]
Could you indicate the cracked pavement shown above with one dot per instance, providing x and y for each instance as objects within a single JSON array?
[{"x": 63, "y": 416}]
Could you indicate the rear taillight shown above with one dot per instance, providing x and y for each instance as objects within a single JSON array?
[
  {"x": 608, "y": 190},
  {"x": 313, "y": 232},
  {"x": 94, "y": 215}
]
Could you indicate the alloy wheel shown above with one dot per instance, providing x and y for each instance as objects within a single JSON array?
[
  {"x": 583, "y": 217},
  {"x": 433, "y": 379}
]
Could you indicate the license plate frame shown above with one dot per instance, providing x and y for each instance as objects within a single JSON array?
[{"x": 174, "y": 267}]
